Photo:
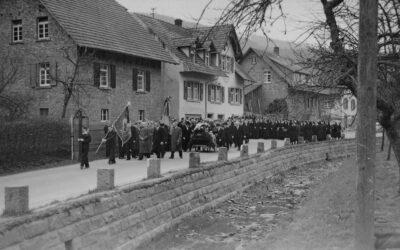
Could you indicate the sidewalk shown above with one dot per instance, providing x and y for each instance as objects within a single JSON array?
[{"x": 58, "y": 184}]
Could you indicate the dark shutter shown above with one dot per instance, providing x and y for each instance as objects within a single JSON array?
[
  {"x": 232, "y": 64},
  {"x": 230, "y": 95},
  {"x": 148, "y": 80},
  {"x": 209, "y": 93},
  {"x": 241, "y": 96},
  {"x": 113, "y": 76},
  {"x": 54, "y": 74},
  {"x": 134, "y": 79},
  {"x": 185, "y": 90},
  {"x": 222, "y": 94},
  {"x": 201, "y": 91},
  {"x": 34, "y": 75},
  {"x": 96, "y": 74}
]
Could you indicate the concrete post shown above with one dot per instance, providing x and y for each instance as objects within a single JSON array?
[
  {"x": 222, "y": 154},
  {"x": 274, "y": 144},
  {"x": 16, "y": 200},
  {"x": 260, "y": 147},
  {"x": 244, "y": 151},
  {"x": 286, "y": 141},
  {"x": 300, "y": 140},
  {"x": 194, "y": 159},
  {"x": 153, "y": 168},
  {"x": 314, "y": 138},
  {"x": 105, "y": 179}
]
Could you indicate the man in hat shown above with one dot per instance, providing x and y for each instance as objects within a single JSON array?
[
  {"x": 176, "y": 140},
  {"x": 110, "y": 140}
]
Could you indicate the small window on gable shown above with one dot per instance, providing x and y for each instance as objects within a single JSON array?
[
  {"x": 345, "y": 103},
  {"x": 17, "y": 31},
  {"x": 141, "y": 115},
  {"x": 253, "y": 59},
  {"x": 207, "y": 58},
  {"x": 141, "y": 80},
  {"x": 104, "y": 76},
  {"x": 43, "y": 28},
  {"x": 44, "y": 74},
  {"x": 267, "y": 77}
]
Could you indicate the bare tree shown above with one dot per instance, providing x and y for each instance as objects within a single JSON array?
[{"x": 12, "y": 103}]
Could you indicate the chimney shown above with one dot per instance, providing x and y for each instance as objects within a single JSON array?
[
  {"x": 178, "y": 22},
  {"x": 276, "y": 50}
]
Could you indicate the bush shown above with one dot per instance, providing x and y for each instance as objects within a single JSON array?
[{"x": 278, "y": 106}]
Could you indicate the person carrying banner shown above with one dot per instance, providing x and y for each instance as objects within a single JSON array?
[{"x": 110, "y": 140}]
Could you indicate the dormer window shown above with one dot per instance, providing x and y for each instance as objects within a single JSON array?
[
  {"x": 43, "y": 28},
  {"x": 207, "y": 58},
  {"x": 192, "y": 55},
  {"x": 17, "y": 31}
]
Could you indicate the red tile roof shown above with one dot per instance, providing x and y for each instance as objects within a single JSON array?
[{"x": 105, "y": 25}]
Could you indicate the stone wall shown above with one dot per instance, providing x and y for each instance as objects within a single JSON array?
[{"x": 131, "y": 215}]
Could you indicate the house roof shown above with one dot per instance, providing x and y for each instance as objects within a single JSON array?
[
  {"x": 324, "y": 90},
  {"x": 105, "y": 25},
  {"x": 219, "y": 35},
  {"x": 174, "y": 37},
  {"x": 289, "y": 63},
  {"x": 242, "y": 73},
  {"x": 251, "y": 87}
]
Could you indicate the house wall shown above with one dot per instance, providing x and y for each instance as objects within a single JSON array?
[
  {"x": 277, "y": 89},
  {"x": 93, "y": 99}
]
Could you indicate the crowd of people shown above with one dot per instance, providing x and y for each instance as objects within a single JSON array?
[
  {"x": 157, "y": 138},
  {"x": 149, "y": 137}
]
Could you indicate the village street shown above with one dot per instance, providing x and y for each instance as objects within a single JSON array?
[{"x": 58, "y": 184}]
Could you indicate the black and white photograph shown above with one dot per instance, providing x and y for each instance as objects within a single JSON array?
[{"x": 199, "y": 125}]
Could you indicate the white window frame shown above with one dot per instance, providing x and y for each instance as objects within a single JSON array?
[
  {"x": 104, "y": 115},
  {"x": 17, "y": 31},
  {"x": 44, "y": 74},
  {"x": 223, "y": 62},
  {"x": 218, "y": 90},
  {"x": 104, "y": 76},
  {"x": 267, "y": 77},
  {"x": 141, "y": 80},
  {"x": 141, "y": 115},
  {"x": 196, "y": 91},
  {"x": 254, "y": 59},
  {"x": 43, "y": 29},
  {"x": 207, "y": 58}
]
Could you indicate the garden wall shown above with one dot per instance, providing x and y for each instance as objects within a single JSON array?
[{"x": 131, "y": 215}]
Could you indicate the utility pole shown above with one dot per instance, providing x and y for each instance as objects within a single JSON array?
[{"x": 366, "y": 131}]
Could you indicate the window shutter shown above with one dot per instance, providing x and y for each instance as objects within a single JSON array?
[
  {"x": 134, "y": 79},
  {"x": 222, "y": 94},
  {"x": 185, "y": 92},
  {"x": 113, "y": 76},
  {"x": 201, "y": 91},
  {"x": 232, "y": 64},
  {"x": 209, "y": 93},
  {"x": 54, "y": 74},
  {"x": 34, "y": 75},
  {"x": 230, "y": 95},
  {"x": 96, "y": 74},
  {"x": 148, "y": 80},
  {"x": 241, "y": 96}
]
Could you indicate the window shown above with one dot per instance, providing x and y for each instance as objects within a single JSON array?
[
  {"x": 235, "y": 96},
  {"x": 104, "y": 115},
  {"x": 253, "y": 59},
  {"x": 345, "y": 103},
  {"x": 353, "y": 104},
  {"x": 267, "y": 77},
  {"x": 141, "y": 115},
  {"x": 210, "y": 115},
  {"x": 223, "y": 62},
  {"x": 193, "y": 91},
  {"x": 104, "y": 76},
  {"x": 221, "y": 117},
  {"x": 44, "y": 111},
  {"x": 207, "y": 58},
  {"x": 44, "y": 74},
  {"x": 215, "y": 93},
  {"x": 43, "y": 28},
  {"x": 228, "y": 64},
  {"x": 17, "y": 31},
  {"x": 141, "y": 80}
]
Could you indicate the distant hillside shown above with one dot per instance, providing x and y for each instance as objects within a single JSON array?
[{"x": 170, "y": 19}]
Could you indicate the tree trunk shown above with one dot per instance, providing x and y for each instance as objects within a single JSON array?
[
  {"x": 67, "y": 97},
  {"x": 366, "y": 130}
]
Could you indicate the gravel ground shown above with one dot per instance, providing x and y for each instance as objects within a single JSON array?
[{"x": 305, "y": 208}]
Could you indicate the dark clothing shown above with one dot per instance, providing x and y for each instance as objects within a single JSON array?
[
  {"x": 238, "y": 136},
  {"x": 159, "y": 138},
  {"x": 111, "y": 145},
  {"x": 85, "y": 150}
]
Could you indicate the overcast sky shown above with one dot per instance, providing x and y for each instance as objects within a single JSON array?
[{"x": 297, "y": 11}]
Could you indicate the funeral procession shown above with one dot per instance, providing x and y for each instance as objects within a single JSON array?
[{"x": 199, "y": 125}]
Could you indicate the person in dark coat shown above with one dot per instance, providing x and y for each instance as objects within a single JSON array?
[
  {"x": 238, "y": 135},
  {"x": 176, "y": 140},
  {"x": 111, "y": 140},
  {"x": 220, "y": 137},
  {"x": 85, "y": 140},
  {"x": 186, "y": 133},
  {"x": 145, "y": 140},
  {"x": 246, "y": 132},
  {"x": 159, "y": 138},
  {"x": 134, "y": 142}
]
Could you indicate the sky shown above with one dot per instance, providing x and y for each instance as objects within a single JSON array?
[{"x": 296, "y": 11}]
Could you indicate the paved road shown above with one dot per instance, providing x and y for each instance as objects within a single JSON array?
[{"x": 61, "y": 183}]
